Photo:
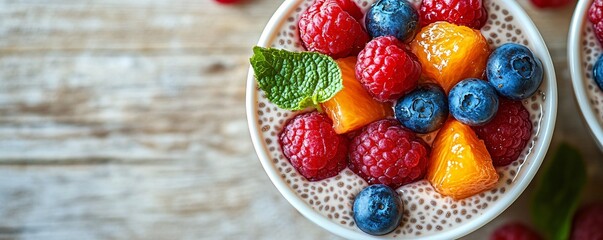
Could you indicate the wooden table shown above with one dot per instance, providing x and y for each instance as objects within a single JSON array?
[{"x": 126, "y": 120}]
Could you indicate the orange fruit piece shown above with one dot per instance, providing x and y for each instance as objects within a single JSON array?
[
  {"x": 450, "y": 53},
  {"x": 460, "y": 164},
  {"x": 353, "y": 107}
]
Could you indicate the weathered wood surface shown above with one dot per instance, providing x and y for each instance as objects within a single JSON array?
[{"x": 126, "y": 120}]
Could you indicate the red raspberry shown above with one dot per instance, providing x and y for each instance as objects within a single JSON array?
[
  {"x": 351, "y": 8},
  {"x": 387, "y": 153},
  {"x": 508, "y": 133},
  {"x": 387, "y": 69},
  {"x": 514, "y": 231},
  {"x": 551, "y": 3},
  {"x": 470, "y": 13},
  {"x": 312, "y": 146},
  {"x": 332, "y": 27},
  {"x": 588, "y": 223},
  {"x": 227, "y": 1},
  {"x": 595, "y": 15}
]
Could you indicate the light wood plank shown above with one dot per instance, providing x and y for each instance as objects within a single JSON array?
[
  {"x": 173, "y": 201},
  {"x": 121, "y": 107},
  {"x": 125, "y": 25}
]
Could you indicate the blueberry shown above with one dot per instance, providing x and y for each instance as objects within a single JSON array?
[
  {"x": 377, "y": 209},
  {"x": 598, "y": 72},
  {"x": 423, "y": 110},
  {"x": 514, "y": 71},
  {"x": 473, "y": 102},
  {"x": 396, "y": 18}
]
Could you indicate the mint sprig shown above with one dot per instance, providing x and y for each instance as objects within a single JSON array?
[
  {"x": 557, "y": 193},
  {"x": 293, "y": 80}
]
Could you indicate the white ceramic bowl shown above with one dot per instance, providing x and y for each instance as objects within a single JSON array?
[
  {"x": 583, "y": 50},
  {"x": 428, "y": 215}
]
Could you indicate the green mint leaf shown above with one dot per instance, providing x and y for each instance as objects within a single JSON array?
[
  {"x": 295, "y": 81},
  {"x": 557, "y": 193}
]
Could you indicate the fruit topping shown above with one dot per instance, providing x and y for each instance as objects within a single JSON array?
[
  {"x": 312, "y": 147},
  {"x": 331, "y": 27},
  {"x": 377, "y": 209},
  {"x": 588, "y": 222},
  {"x": 470, "y": 13},
  {"x": 396, "y": 18},
  {"x": 387, "y": 69},
  {"x": 473, "y": 102},
  {"x": 508, "y": 133},
  {"x": 595, "y": 15},
  {"x": 450, "y": 53},
  {"x": 598, "y": 72},
  {"x": 514, "y": 231},
  {"x": 423, "y": 110},
  {"x": 460, "y": 165},
  {"x": 351, "y": 8},
  {"x": 353, "y": 107},
  {"x": 228, "y": 1},
  {"x": 387, "y": 153},
  {"x": 514, "y": 71}
]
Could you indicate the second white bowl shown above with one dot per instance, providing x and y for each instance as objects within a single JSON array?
[{"x": 583, "y": 51}]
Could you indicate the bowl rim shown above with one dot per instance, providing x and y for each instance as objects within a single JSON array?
[
  {"x": 503, "y": 203},
  {"x": 574, "y": 53}
]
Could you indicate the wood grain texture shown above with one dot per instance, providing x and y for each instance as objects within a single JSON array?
[{"x": 126, "y": 120}]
